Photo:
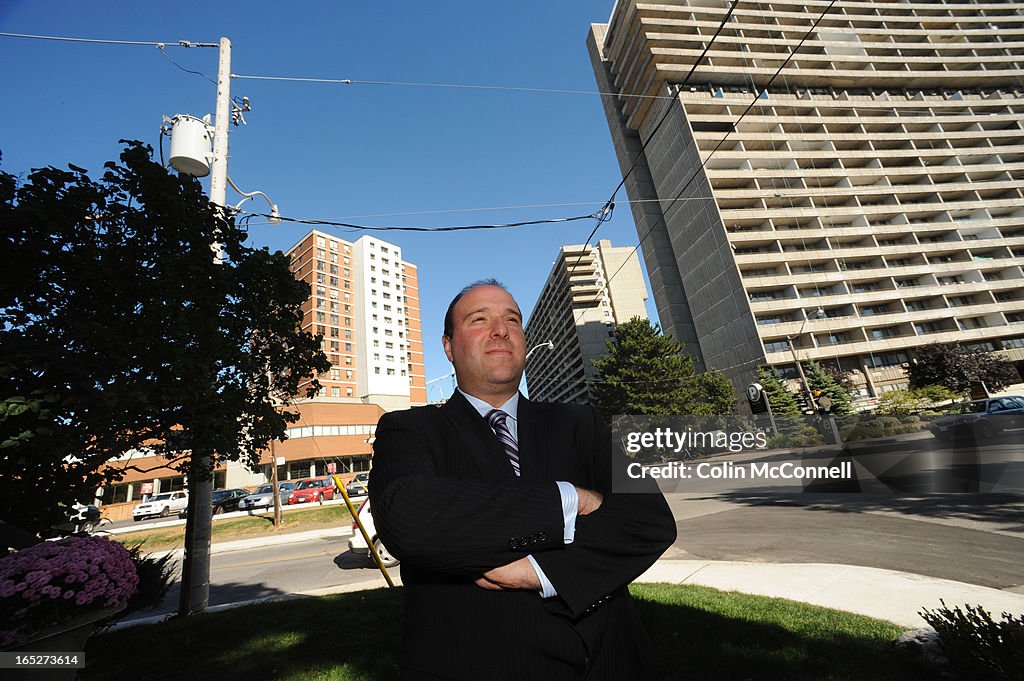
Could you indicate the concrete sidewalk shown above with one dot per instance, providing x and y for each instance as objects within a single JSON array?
[{"x": 883, "y": 594}]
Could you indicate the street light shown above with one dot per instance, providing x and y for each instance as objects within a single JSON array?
[
  {"x": 450, "y": 374},
  {"x": 548, "y": 344},
  {"x": 818, "y": 314}
]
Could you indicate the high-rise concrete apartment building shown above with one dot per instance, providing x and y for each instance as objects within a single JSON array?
[
  {"x": 365, "y": 303},
  {"x": 867, "y": 203},
  {"x": 589, "y": 291}
]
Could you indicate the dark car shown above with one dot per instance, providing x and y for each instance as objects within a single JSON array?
[
  {"x": 980, "y": 419},
  {"x": 225, "y": 500}
]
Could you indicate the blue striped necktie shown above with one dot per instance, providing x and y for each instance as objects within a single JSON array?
[{"x": 496, "y": 420}]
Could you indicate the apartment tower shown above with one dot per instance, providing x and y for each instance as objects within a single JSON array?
[
  {"x": 365, "y": 303},
  {"x": 862, "y": 203},
  {"x": 589, "y": 291}
]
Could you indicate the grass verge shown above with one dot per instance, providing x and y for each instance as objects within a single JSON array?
[
  {"x": 698, "y": 633},
  {"x": 298, "y": 520}
]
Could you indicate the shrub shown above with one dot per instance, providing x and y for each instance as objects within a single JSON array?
[
  {"x": 978, "y": 646},
  {"x": 51, "y": 582},
  {"x": 155, "y": 576}
]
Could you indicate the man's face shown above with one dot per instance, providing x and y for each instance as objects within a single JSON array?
[{"x": 487, "y": 347}]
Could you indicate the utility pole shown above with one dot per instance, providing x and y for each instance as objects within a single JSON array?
[
  {"x": 195, "y": 565},
  {"x": 275, "y": 483}
]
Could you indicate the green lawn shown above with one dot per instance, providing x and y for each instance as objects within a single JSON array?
[
  {"x": 698, "y": 633},
  {"x": 312, "y": 517}
]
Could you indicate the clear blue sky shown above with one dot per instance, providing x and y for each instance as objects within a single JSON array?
[{"x": 344, "y": 151}]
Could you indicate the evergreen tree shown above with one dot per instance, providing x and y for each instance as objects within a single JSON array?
[
  {"x": 820, "y": 380},
  {"x": 648, "y": 373},
  {"x": 782, "y": 401}
]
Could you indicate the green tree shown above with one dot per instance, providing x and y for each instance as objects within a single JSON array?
[
  {"x": 121, "y": 331},
  {"x": 957, "y": 368},
  {"x": 782, "y": 401},
  {"x": 902, "y": 402},
  {"x": 820, "y": 380},
  {"x": 648, "y": 373},
  {"x": 792, "y": 428}
]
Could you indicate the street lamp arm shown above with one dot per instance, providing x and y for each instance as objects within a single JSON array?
[{"x": 546, "y": 344}]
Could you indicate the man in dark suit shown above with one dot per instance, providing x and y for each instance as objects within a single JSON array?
[{"x": 515, "y": 550}]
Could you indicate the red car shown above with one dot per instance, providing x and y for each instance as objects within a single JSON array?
[{"x": 312, "y": 489}]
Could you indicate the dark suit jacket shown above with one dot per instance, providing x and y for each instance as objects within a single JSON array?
[{"x": 447, "y": 503}]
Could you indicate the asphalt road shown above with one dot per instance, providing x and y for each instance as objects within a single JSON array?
[
  {"x": 915, "y": 505},
  {"x": 279, "y": 570},
  {"x": 977, "y": 539}
]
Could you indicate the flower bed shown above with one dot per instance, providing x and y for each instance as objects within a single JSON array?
[{"x": 50, "y": 582}]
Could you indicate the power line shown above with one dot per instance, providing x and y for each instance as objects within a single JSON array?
[
  {"x": 481, "y": 209},
  {"x": 459, "y": 86},
  {"x": 754, "y": 101},
  {"x": 455, "y": 228},
  {"x": 668, "y": 110},
  {"x": 178, "y": 43},
  {"x": 164, "y": 52}
]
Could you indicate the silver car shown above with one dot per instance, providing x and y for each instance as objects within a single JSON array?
[{"x": 263, "y": 497}]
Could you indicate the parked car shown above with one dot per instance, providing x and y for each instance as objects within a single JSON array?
[
  {"x": 356, "y": 543},
  {"x": 263, "y": 497},
  {"x": 312, "y": 489},
  {"x": 162, "y": 505},
  {"x": 225, "y": 500},
  {"x": 980, "y": 419},
  {"x": 356, "y": 487}
]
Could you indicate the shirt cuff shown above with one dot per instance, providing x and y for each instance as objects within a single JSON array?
[
  {"x": 547, "y": 589},
  {"x": 570, "y": 507}
]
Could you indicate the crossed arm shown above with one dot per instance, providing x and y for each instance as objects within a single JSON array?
[{"x": 464, "y": 527}]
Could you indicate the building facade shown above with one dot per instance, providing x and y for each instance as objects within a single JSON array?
[
  {"x": 589, "y": 291},
  {"x": 866, "y": 203},
  {"x": 365, "y": 303}
]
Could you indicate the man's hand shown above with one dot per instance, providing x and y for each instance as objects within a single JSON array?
[
  {"x": 516, "y": 575},
  {"x": 590, "y": 501}
]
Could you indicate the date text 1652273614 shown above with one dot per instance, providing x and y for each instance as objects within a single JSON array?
[{"x": 47, "y": 660}]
